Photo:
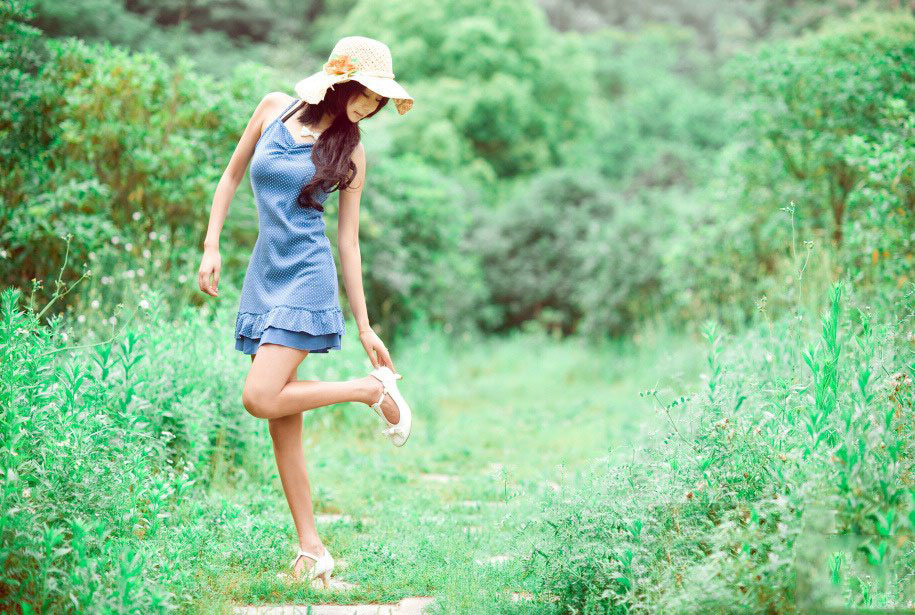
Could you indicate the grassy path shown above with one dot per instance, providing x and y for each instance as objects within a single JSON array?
[{"x": 495, "y": 427}]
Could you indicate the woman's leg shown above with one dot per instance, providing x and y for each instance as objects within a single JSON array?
[
  {"x": 269, "y": 393},
  {"x": 286, "y": 433}
]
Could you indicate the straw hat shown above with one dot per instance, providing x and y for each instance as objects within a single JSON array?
[{"x": 361, "y": 59}]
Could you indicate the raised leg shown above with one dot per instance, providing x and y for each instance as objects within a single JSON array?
[{"x": 270, "y": 394}]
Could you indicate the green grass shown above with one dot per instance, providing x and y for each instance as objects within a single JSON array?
[
  {"x": 507, "y": 420},
  {"x": 133, "y": 480}
]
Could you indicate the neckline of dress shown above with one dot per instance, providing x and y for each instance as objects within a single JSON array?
[{"x": 288, "y": 134}]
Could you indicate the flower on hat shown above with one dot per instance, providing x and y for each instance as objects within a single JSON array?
[{"x": 341, "y": 65}]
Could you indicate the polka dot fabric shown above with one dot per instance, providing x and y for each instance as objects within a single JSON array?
[{"x": 289, "y": 295}]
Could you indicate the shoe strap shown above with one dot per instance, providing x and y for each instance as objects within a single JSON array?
[
  {"x": 307, "y": 554},
  {"x": 384, "y": 391}
]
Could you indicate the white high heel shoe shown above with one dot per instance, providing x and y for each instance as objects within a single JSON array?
[
  {"x": 323, "y": 566},
  {"x": 398, "y": 433}
]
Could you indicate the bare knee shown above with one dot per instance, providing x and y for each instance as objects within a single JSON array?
[{"x": 256, "y": 401}]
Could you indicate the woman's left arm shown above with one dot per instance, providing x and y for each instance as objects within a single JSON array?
[{"x": 351, "y": 262}]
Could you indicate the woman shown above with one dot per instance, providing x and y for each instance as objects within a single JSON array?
[{"x": 289, "y": 302}]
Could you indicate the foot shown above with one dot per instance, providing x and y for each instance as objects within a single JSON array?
[
  {"x": 388, "y": 406},
  {"x": 305, "y": 563}
]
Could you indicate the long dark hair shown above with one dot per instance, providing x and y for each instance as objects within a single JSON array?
[{"x": 334, "y": 170}]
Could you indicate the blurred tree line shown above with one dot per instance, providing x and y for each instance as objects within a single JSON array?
[{"x": 579, "y": 177}]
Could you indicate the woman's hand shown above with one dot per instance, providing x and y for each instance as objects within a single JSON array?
[
  {"x": 378, "y": 353},
  {"x": 210, "y": 265}
]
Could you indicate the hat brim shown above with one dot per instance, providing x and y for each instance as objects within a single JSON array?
[{"x": 312, "y": 89}]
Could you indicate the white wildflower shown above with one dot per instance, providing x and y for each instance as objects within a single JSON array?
[
  {"x": 146, "y": 253},
  {"x": 137, "y": 215},
  {"x": 115, "y": 240},
  {"x": 182, "y": 278},
  {"x": 144, "y": 304},
  {"x": 152, "y": 235},
  {"x": 95, "y": 304},
  {"x": 113, "y": 320},
  {"x": 81, "y": 318},
  {"x": 141, "y": 272},
  {"x": 128, "y": 246}
]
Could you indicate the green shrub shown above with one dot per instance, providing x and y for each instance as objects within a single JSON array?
[
  {"x": 827, "y": 125},
  {"x": 415, "y": 265},
  {"x": 133, "y": 149},
  {"x": 528, "y": 247},
  {"x": 785, "y": 482}
]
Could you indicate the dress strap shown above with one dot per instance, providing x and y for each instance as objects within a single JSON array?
[{"x": 283, "y": 115}]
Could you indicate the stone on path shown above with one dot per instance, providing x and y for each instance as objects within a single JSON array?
[
  {"x": 407, "y": 606},
  {"x": 495, "y": 559},
  {"x": 438, "y": 478},
  {"x": 330, "y": 518},
  {"x": 478, "y": 503}
]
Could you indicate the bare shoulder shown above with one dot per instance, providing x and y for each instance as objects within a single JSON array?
[
  {"x": 269, "y": 108},
  {"x": 274, "y": 102}
]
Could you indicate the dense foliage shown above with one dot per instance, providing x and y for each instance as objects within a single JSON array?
[{"x": 784, "y": 484}]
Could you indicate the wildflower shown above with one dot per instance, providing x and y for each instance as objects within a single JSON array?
[
  {"x": 130, "y": 273},
  {"x": 92, "y": 256},
  {"x": 128, "y": 246},
  {"x": 152, "y": 235},
  {"x": 95, "y": 304},
  {"x": 137, "y": 215},
  {"x": 113, "y": 320},
  {"x": 3, "y": 253},
  {"x": 27, "y": 492},
  {"x": 182, "y": 278},
  {"x": 140, "y": 272},
  {"x": 144, "y": 304},
  {"x": 157, "y": 263},
  {"x": 115, "y": 240},
  {"x": 64, "y": 336},
  {"x": 146, "y": 253},
  {"x": 81, "y": 318}
]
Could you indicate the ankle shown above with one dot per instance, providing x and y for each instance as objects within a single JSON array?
[
  {"x": 371, "y": 390},
  {"x": 314, "y": 546}
]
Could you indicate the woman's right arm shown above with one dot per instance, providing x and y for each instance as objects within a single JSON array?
[{"x": 211, "y": 263}]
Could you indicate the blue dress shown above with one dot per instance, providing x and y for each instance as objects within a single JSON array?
[{"x": 290, "y": 294}]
